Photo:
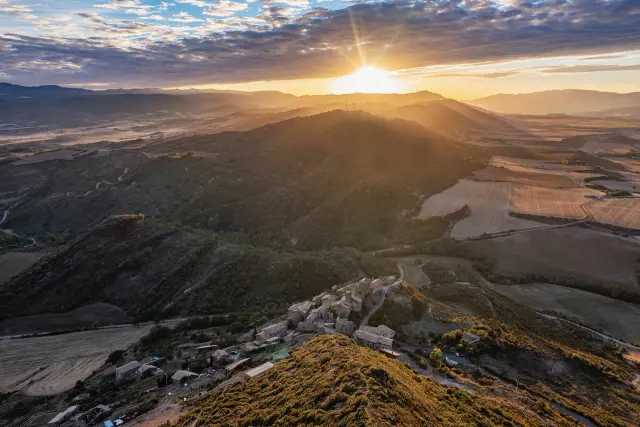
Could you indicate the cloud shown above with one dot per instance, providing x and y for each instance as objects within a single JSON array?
[
  {"x": 495, "y": 75},
  {"x": 154, "y": 17},
  {"x": 198, "y": 3},
  {"x": 592, "y": 68},
  {"x": 603, "y": 57},
  {"x": 292, "y": 3},
  {"x": 121, "y": 4},
  {"x": 226, "y": 8},
  {"x": 287, "y": 43},
  {"x": 13, "y": 8},
  {"x": 184, "y": 17}
]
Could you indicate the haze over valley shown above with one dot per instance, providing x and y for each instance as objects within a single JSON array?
[{"x": 319, "y": 213}]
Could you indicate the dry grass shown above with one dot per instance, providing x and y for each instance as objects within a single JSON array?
[
  {"x": 633, "y": 356},
  {"x": 620, "y": 212},
  {"x": 332, "y": 381}
]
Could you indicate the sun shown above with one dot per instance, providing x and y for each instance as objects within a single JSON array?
[{"x": 366, "y": 80}]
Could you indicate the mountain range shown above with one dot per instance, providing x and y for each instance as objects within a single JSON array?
[{"x": 568, "y": 101}]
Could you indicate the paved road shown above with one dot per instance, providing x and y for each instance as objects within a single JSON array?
[
  {"x": 384, "y": 291},
  {"x": 592, "y": 331}
]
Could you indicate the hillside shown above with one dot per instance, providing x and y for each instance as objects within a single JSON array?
[
  {"x": 152, "y": 269},
  {"x": 333, "y": 179},
  {"x": 455, "y": 119},
  {"x": 332, "y": 381},
  {"x": 557, "y": 102}
]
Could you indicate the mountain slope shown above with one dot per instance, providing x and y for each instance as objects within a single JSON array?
[
  {"x": 332, "y": 381},
  {"x": 153, "y": 269},
  {"x": 557, "y": 102},
  {"x": 455, "y": 119},
  {"x": 334, "y": 179}
]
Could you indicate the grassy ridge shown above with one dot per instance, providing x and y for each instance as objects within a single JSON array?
[{"x": 332, "y": 381}]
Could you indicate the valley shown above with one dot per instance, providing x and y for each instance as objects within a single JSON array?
[{"x": 183, "y": 226}]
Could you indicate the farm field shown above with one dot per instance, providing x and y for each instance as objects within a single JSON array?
[
  {"x": 49, "y": 365},
  {"x": 630, "y": 186},
  {"x": 555, "y": 202},
  {"x": 13, "y": 263},
  {"x": 620, "y": 212},
  {"x": 493, "y": 173},
  {"x": 613, "y": 317},
  {"x": 489, "y": 203},
  {"x": 632, "y": 165},
  {"x": 592, "y": 256}
]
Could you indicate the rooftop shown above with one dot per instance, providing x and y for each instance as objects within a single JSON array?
[
  {"x": 235, "y": 364},
  {"x": 259, "y": 369}
]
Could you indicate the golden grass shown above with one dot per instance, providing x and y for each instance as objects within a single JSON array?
[{"x": 332, "y": 381}]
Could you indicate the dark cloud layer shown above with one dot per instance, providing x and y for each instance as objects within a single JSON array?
[{"x": 321, "y": 43}]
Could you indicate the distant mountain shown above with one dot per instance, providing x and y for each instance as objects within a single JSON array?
[
  {"x": 558, "y": 102},
  {"x": 11, "y": 91},
  {"x": 455, "y": 119},
  {"x": 331, "y": 381}
]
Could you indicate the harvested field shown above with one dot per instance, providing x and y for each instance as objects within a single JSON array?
[
  {"x": 489, "y": 203},
  {"x": 49, "y": 365},
  {"x": 13, "y": 263},
  {"x": 620, "y": 212},
  {"x": 561, "y": 203},
  {"x": 613, "y": 317},
  {"x": 584, "y": 254},
  {"x": 493, "y": 173}
]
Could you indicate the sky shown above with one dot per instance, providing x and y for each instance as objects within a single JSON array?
[{"x": 459, "y": 48}]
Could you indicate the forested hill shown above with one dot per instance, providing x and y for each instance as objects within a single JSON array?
[
  {"x": 334, "y": 179},
  {"x": 153, "y": 270}
]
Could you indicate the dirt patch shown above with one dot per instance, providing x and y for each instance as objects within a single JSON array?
[
  {"x": 13, "y": 263},
  {"x": 565, "y": 252},
  {"x": 100, "y": 314},
  {"x": 621, "y": 212},
  {"x": 633, "y": 356},
  {"x": 613, "y": 317}
]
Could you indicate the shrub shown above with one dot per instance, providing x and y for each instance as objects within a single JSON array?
[{"x": 436, "y": 357}]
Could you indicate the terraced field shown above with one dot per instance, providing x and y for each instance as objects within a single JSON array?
[{"x": 620, "y": 212}]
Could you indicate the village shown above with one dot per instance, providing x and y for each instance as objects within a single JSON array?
[{"x": 345, "y": 309}]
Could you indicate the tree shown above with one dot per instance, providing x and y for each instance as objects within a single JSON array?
[
  {"x": 436, "y": 358},
  {"x": 115, "y": 356}
]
